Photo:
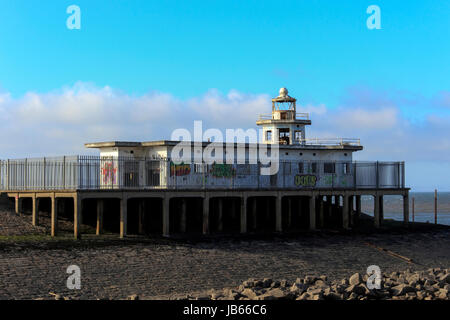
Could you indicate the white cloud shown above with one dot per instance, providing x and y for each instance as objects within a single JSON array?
[{"x": 60, "y": 122}]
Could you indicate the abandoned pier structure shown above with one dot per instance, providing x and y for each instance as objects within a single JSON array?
[{"x": 138, "y": 188}]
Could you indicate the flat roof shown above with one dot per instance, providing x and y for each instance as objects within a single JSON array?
[{"x": 118, "y": 144}]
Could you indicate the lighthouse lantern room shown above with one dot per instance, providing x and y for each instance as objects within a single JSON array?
[{"x": 284, "y": 126}]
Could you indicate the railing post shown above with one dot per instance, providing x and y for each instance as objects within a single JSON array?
[
  {"x": 403, "y": 174},
  {"x": 7, "y": 174},
  {"x": 377, "y": 176},
  {"x": 354, "y": 174},
  {"x": 43, "y": 173},
  {"x": 64, "y": 172}
]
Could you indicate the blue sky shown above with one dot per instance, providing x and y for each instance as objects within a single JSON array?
[{"x": 129, "y": 53}]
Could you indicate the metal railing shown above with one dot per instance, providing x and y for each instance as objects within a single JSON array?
[
  {"x": 97, "y": 173},
  {"x": 298, "y": 116},
  {"x": 332, "y": 141}
]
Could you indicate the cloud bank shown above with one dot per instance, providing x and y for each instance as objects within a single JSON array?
[{"x": 60, "y": 122}]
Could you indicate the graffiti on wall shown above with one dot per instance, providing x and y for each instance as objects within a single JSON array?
[
  {"x": 306, "y": 180},
  {"x": 109, "y": 172},
  {"x": 179, "y": 169},
  {"x": 222, "y": 170}
]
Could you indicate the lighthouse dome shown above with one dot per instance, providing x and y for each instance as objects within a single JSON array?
[{"x": 283, "y": 92}]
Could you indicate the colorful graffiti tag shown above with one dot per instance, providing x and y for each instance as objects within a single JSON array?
[
  {"x": 179, "y": 169},
  {"x": 109, "y": 172},
  {"x": 305, "y": 180},
  {"x": 222, "y": 170}
]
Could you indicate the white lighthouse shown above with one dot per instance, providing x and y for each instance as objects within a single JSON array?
[{"x": 284, "y": 126}]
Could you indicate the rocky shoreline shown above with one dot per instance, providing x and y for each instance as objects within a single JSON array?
[{"x": 431, "y": 284}]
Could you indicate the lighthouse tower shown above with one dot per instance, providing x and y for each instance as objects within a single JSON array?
[{"x": 284, "y": 126}]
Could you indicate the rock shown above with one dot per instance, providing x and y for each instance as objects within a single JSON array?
[
  {"x": 355, "y": 279},
  {"x": 297, "y": 288},
  {"x": 445, "y": 278},
  {"x": 267, "y": 282},
  {"x": 250, "y": 283},
  {"x": 332, "y": 296},
  {"x": 284, "y": 284},
  {"x": 135, "y": 297},
  {"x": 304, "y": 296},
  {"x": 313, "y": 291},
  {"x": 401, "y": 289},
  {"x": 216, "y": 295},
  {"x": 429, "y": 282},
  {"x": 310, "y": 279},
  {"x": 320, "y": 283},
  {"x": 344, "y": 282},
  {"x": 356, "y": 289},
  {"x": 249, "y": 293},
  {"x": 272, "y": 294},
  {"x": 275, "y": 284}
]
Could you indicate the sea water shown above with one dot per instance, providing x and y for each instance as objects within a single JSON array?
[{"x": 424, "y": 207}]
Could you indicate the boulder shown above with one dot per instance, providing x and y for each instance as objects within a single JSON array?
[
  {"x": 355, "y": 279},
  {"x": 249, "y": 293},
  {"x": 272, "y": 294},
  {"x": 445, "y": 278},
  {"x": 402, "y": 289}
]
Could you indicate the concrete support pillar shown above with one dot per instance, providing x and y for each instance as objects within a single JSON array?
[
  {"x": 376, "y": 211},
  {"x": 289, "y": 213},
  {"x": 358, "y": 207},
  {"x": 165, "y": 209},
  {"x": 123, "y": 217},
  {"x": 381, "y": 208},
  {"x": 253, "y": 217},
  {"x": 300, "y": 208},
  {"x": 312, "y": 212},
  {"x": 278, "y": 214},
  {"x": 220, "y": 215},
  {"x": 18, "y": 204},
  {"x": 77, "y": 208},
  {"x": 346, "y": 212},
  {"x": 321, "y": 212},
  {"x": 54, "y": 217},
  {"x": 329, "y": 206},
  {"x": 35, "y": 211},
  {"x": 183, "y": 216},
  {"x": 141, "y": 217},
  {"x": 100, "y": 210},
  {"x": 406, "y": 209},
  {"x": 244, "y": 214},
  {"x": 206, "y": 215}
]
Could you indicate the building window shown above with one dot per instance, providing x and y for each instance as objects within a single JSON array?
[
  {"x": 300, "y": 167},
  {"x": 313, "y": 167},
  {"x": 329, "y": 167},
  {"x": 347, "y": 168},
  {"x": 269, "y": 135},
  {"x": 298, "y": 135}
]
